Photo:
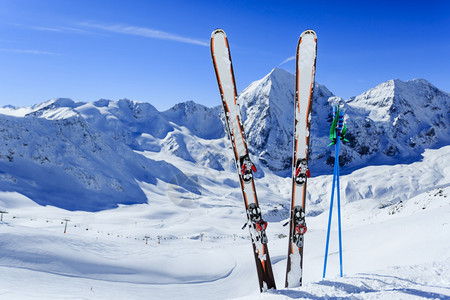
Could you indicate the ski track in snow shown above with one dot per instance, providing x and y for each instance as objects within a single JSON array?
[{"x": 395, "y": 238}]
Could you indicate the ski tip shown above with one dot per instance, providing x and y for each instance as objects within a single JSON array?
[
  {"x": 218, "y": 31},
  {"x": 309, "y": 32}
]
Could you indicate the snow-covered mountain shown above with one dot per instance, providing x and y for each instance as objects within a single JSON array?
[
  {"x": 267, "y": 108},
  {"x": 93, "y": 156},
  {"x": 182, "y": 238},
  {"x": 391, "y": 123},
  {"x": 80, "y": 155},
  {"x": 395, "y": 122}
]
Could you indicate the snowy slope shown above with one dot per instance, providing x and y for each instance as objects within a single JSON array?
[{"x": 392, "y": 249}]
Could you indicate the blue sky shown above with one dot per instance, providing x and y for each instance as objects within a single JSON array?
[{"x": 158, "y": 51}]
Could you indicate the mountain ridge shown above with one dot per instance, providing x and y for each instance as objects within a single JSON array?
[{"x": 391, "y": 123}]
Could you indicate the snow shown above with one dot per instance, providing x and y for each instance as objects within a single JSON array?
[
  {"x": 155, "y": 210},
  {"x": 305, "y": 70},
  {"x": 395, "y": 121},
  {"x": 392, "y": 249},
  {"x": 296, "y": 273}
]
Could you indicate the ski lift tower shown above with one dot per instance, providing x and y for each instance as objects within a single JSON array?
[
  {"x": 65, "y": 226},
  {"x": 1, "y": 214}
]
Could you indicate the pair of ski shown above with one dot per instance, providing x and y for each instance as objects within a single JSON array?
[{"x": 305, "y": 71}]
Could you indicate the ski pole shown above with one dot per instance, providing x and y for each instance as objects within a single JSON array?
[
  {"x": 330, "y": 215},
  {"x": 339, "y": 207}
]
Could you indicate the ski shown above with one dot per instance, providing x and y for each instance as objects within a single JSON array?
[
  {"x": 220, "y": 53},
  {"x": 304, "y": 85}
]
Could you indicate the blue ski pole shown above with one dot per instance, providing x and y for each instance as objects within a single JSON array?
[
  {"x": 339, "y": 208},
  {"x": 337, "y": 129},
  {"x": 331, "y": 213},
  {"x": 339, "y": 132}
]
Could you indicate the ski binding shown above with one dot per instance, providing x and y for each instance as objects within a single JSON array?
[
  {"x": 259, "y": 224},
  {"x": 247, "y": 167},
  {"x": 299, "y": 228},
  {"x": 301, "y": 171}
]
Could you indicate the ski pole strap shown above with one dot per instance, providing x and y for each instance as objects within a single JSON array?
[{"x": 333, "y": 129}]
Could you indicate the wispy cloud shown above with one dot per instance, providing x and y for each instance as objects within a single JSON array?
[
  {"x": 61, "y": 29},
  {"x": 56, "y": 28},
  {"x": 146, "y": 32},
  {"x": 52, "y": 29},
  {"x": 94, "y": 28},
  {"x": 28, "y": 51},
  {"x": 287, "y": 60}
]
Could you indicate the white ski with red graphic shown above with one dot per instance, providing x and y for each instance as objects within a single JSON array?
[
  {"x": 304, "y": 85},
  {"x": 221, "y": 57}
]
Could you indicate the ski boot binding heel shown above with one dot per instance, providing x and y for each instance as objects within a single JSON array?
[
  {"x": 247, "y": 167},
  {"x": 301, "y": 171},
  {"x": 257, "y": 222},
  {"x": 260, "y": 228},
  {"x": 299, "y": 228}
]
